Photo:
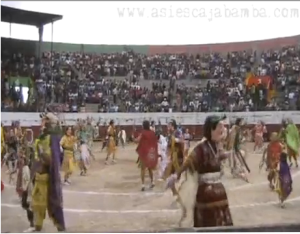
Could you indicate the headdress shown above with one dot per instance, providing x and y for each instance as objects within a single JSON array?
[
  {"x": 274, "y": 136},
  {"x": 50, "y": 116}
]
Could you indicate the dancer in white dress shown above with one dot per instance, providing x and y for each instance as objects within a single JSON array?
[{"x": 162, "y": 152}]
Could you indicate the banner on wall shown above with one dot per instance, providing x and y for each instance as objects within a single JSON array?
[{"x": 251, "y": 79}]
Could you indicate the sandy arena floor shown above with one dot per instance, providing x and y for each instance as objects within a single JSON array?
[{"x": 109, "y": 199}]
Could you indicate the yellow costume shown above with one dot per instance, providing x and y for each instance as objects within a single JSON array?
[
  {"x": 67, "y": 143},
  {"x": 176, "y": 153},
  {"x": 40, "y": 190},
  {"x": 111, "y": 132}
]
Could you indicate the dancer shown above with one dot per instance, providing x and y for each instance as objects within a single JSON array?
[
  {"x": 273, "y": 151},
  {"x": 24, "y": 186},
  {"x": 203, "y": 193},
  {"x": 111, "y": 148},
  {"x": 162, "y": 154},
  {"x": 187, "y": 142},
  {"x": 10, "y": 158},
  {"x": 47, "y": 192},
  {"x": 83, "y": 150},
  {"x": 90, "y": 130},
  {"x": 67, "y": 143},
  {"x": 259, "y": 131},
  {"x": 223, "y": 145},
  {"x": 176, "y": 148},
  {"x": 236, "y": 160},
  {"x": 23, "y": 174},
  {"x": 152, "y": 126},
  {"x": 284, "y": 179},
  {"x": 290, "y": 136},
  {"x": 122, "y": 137},
  {"x": 148, "y": 153}
]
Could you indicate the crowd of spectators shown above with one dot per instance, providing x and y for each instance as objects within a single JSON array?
[{"x": 73, "y": 80}]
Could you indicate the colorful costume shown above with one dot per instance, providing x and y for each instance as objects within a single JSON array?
[
  {"x": 176, "y": 147},
  {"x": 148, "y": 155},
  {"x": 273, "y": 151},
  {"x": 187, "y": 143},
  {"x": 290, "y": 136},
  {"x": 236, "y": 160},
  {"x": 67, "y": 143},
  {"x": 47, "y": 191},
  {"x": 111, "y": 142},
  {"x": 202, "y": 194},
  {"x": 259, "y": 131},
  {"x": 10, "y": 157},
  {"x": 284, "y": 179}
]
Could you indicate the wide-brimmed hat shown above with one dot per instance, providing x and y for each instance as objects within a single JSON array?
[{"x": 49, "y": 116}]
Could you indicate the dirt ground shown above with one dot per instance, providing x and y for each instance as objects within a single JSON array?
[{"x": 109, "y": 199}]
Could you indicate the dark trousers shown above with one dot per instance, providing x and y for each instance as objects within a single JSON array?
[{"x": 25, "y": 206}]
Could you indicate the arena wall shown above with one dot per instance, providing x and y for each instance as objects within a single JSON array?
[
  {"x": 132, "y": 122},
  {"x": 226, "y": 47},
  {"x": 29, "y": 47}
]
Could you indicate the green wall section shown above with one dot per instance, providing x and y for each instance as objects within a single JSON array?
[{"x": 24, "y": 46}]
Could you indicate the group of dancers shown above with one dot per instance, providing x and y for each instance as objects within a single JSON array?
[{"x": 191, "y": 174}]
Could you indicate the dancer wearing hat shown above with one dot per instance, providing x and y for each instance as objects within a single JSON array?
[
  {"x": 47, "y": 190},
  {"x": 289, "y": 134}
]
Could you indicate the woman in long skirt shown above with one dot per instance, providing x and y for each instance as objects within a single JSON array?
[
  {"x": 284, "y": 179},
  {"x": 203, "y": 193}
]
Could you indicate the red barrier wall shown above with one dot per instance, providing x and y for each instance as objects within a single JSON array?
[{"x": 225, "y": 47}]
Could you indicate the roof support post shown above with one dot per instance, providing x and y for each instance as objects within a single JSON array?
[{"x": 52, "y": 63}]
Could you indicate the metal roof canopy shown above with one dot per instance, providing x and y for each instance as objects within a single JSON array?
[{"x": 18, "y": 16}]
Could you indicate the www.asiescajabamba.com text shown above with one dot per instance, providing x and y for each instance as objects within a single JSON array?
[{"x": 209, "y": 14}]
